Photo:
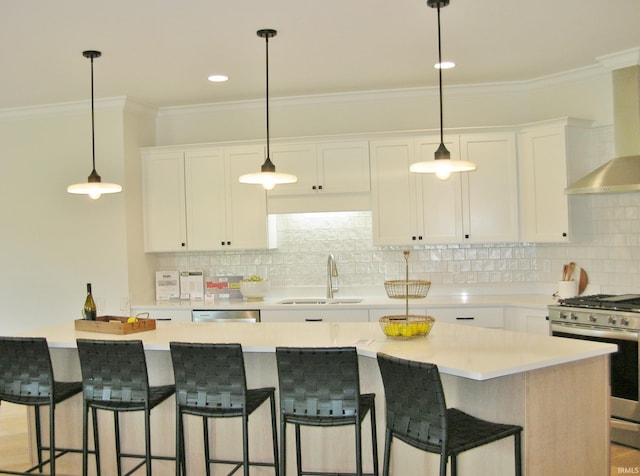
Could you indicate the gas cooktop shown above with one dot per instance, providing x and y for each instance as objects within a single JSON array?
[{"x": 622, "y": 302}]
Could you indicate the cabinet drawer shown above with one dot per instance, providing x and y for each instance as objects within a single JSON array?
[
  {"x": 470, "y": 316},
  {"x": 315, "y": 315}
]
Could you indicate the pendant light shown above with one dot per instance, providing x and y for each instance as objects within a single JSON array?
[
  {"x": 268, "y": 177},
  {"x": 442, "y": 165},
  {"x": 94, "y": 187}
]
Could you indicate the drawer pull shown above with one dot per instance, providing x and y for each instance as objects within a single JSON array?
[
  {"x": 465, "y": 318},
  {"x": 311, "y": 319}
]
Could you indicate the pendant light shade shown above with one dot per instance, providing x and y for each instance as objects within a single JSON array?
[
  {"x": 94, "y": 186},
  {"x": 442, "y": 165},
  {"x": 268, "y": 177}
]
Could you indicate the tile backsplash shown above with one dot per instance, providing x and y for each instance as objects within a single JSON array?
[{"x": 611, "y": 259}]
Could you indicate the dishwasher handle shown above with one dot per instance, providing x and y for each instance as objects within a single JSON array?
[{"x": 225, "y": 315}]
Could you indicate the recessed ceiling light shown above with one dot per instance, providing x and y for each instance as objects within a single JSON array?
[
  {"x": 445, "y": 65},
  {"x": 218, "y": 78}
]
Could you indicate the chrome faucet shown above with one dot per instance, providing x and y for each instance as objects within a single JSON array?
[{"x": 332, "y": 272}]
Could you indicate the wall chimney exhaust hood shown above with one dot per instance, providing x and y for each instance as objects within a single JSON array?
[{"x": 621, "y": 174}]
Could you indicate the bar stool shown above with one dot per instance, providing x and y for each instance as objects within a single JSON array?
[
  {"x": 26, "y": 378},
  {"x": 321, "y": 387},
  {"x": 210, "y": 382},
  {"x": 417, "y": 414},
  {"x": 114, "y": 378}
]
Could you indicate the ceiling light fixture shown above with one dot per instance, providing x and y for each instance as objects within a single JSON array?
[
  {"x": 94, "y": 187},
  {"x": 442, "y": 165},
  {"x": 268, "y": 177},
  {"x": 218, "y": 78}
]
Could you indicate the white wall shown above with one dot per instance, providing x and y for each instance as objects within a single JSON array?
[{"x": 52, "y": 243}]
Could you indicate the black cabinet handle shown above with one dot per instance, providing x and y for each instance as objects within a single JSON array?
[
  {"x": 319, "y": 187},
  {"x": 564, "y": 235},
  {"x": 183, "y": 244},
  {"x": 465, "y": 318},
  {"x": 466, "y": 237},
  {"x": 310, "y": 319}
]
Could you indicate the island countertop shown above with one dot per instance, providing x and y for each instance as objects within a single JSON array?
[{"x": 462, "y": 351}]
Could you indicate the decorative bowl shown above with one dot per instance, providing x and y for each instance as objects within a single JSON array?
[
  {"x": 406, "y": 326},
  {"x": 254, "y": 290}
]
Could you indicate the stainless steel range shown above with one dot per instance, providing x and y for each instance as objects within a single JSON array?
[{"x": 615, "y": 320}]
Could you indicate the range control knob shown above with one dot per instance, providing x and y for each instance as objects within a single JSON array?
[
  {"x": 563, "y": 315},
  {"x": 612, "y": 319},
  {"x": 574, "y": 316},
  {"x": 624, "y": 321},
  {"x": 592, "y": 318}
]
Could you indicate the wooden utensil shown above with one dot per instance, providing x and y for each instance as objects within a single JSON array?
[
  {"x": 582, "y": 283},
  {"x": 564, "y": 272},
  {"x": 570, "y": 269}
]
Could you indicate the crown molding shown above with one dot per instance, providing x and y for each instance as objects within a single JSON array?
[{"x": 58, "y": 109}]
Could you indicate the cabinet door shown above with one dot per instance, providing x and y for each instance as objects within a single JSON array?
[
  {"x": 490, "y": 196},
  {"x": 343, "y": 167},
  {"x": 299, "y": 160},
  {"x": 394, "y": 205},
  {"x": 543, "y": 178},
  {"x": 163, "y": 201},
  {"x": 205, "y": 199},
  {"x": 246, "y": 205},
  {"x": 481, "y": 317},
  {"x": 439, "y": 201},
  {"x": 315, "y": 315}
]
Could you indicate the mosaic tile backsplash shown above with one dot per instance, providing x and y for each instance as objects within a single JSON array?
[{"x": 611, "y": 258}]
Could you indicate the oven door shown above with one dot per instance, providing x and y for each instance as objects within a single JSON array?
[{"x": 625, "y": 367}]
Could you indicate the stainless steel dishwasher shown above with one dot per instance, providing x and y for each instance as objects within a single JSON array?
[{"x": 226, "y": 315}]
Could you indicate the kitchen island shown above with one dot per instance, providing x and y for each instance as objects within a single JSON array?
[{"x": 557, "y": 389}]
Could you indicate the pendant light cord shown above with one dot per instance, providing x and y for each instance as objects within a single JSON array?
[
  {"x": 267, "y": 93},
  {"x": 93, "y": 129},
  {"x": 440, "y": 78}
]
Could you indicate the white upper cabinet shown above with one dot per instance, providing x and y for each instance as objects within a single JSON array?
[
  {"x": 163, "y": 201},
  {"x": 332, "y": 176},
  {"x": 490, "y": 193},
  {"x": 475, "y": 207},
  {"x": 545, "y": 154},
  {"x": 192, "y": 200}
]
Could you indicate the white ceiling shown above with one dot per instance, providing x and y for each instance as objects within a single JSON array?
[{"x": 160, "y": 52}]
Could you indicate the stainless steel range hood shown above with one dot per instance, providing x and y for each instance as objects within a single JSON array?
[{"x": 621, "y": 174}]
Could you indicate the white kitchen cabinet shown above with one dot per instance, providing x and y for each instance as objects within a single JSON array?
[
  {"x": 492, "y": 317},
  {"x": 315, "y": 315},
  {"x": 490, "y": 193},
  {"x": 163, "y": 201},
  {"x": 475, "y": 207},
  {"x": 164, "y": 314},
  {"x": 549, "y": 158},
  {"x": 193, "y": 201},
  {"x": 529, "y": 320},
  {"x": 332, "y": 176}
]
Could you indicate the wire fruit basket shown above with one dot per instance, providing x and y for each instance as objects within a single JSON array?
[
  {"x": 402, "y": 327},
  {"x": 408, "y": 325}
]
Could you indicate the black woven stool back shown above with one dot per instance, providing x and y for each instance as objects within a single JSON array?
[
  {"x": 322, "y": 382},
  {"x": 25, "y": 369},
  {"x": 415, "y": 402},
  {"x": 209, "y": 375},
  {"x": 113, "y": 371}
]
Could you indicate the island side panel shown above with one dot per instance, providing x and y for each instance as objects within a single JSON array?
[{"x": 567, "y": 419}]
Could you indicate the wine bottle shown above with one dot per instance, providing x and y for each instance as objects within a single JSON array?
[{"x": 89, "y": 309}]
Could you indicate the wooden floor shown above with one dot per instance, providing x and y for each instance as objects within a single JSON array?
[{"x": 14, "y": 443}]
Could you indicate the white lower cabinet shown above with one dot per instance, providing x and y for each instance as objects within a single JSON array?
[
  {"x": 315, "y": 315},
  {"x": 492, "y": 317},
  {"x": 173, "y": 315},
  {"x": 529, "y": 320}
]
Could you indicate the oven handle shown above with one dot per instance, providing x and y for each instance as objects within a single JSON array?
[{"x": 591, "y": 332}]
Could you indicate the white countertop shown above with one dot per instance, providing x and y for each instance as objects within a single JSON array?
[
  {"x": 498, "y": 300},
  {"x": 463, "y": 351}
]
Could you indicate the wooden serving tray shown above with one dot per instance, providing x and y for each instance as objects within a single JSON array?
[{"x": 115, "y": 325}]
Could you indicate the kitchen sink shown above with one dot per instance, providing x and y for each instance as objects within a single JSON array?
[{"x": 320, "y": 301}]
